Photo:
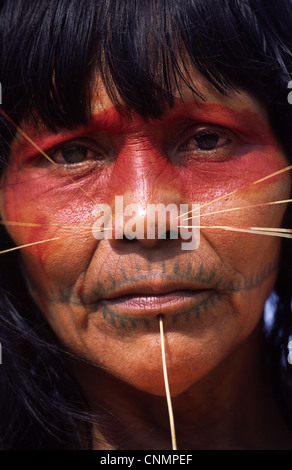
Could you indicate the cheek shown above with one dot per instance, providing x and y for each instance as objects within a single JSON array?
[
  {"x": 60, "y": 219},
  {"x": 239, "y": 178}
]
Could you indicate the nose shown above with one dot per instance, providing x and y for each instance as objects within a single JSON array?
[
  {"x": 157, "y": 216},
  {"x": 147, "y": 220},
  {"x": 148, "y": 199}
]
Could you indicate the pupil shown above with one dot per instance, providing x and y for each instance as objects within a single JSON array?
[
  {"x": 207, "y": 141},
  {"x": 75, "y": 154}
]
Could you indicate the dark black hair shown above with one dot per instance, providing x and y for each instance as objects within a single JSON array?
[{"x": 51, "y": 53}]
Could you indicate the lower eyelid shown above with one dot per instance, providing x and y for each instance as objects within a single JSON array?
[
  {"x": 185, "y": 154},
  {"x": 186, "y": 146},
  {"x": 93, "y": 155}
]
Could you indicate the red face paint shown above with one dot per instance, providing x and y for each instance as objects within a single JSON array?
[{"x": 146, "y": 164}]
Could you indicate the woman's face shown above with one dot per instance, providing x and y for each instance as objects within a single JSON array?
[{"x": 103, "y": 297}]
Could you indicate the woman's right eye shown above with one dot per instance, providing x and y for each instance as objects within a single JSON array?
[{"x": 74, "y": 153}]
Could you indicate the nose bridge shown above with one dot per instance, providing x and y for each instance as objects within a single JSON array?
[
  {"x": 148, "y": 174},
  {"x": 147, "y": 200}
]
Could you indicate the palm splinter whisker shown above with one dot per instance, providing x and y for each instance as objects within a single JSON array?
[
  {"x": 58, "y": 167},
  {"x": 284, "y": 233},
  {"x": 271, "y": 175},
  {"x": 285, "y": 201},
  {"x": 167, "y": 391},
  {"x": 20, "y": 224},
  {"x": 27, "y": 245},
  {"x": 271, "y": 229}
]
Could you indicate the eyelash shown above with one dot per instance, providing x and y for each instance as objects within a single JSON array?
[
  {"x": 83, "y": 146},
  {"x": 225, "y": 139},
  {"x": 189, "y": 148}
]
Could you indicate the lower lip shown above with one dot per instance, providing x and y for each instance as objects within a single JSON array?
[{"x": 154, "y": 304}]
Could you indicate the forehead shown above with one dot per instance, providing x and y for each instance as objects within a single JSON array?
[
  {"x": 203, "y": 92},
  {"x": 235, "y": 108}
]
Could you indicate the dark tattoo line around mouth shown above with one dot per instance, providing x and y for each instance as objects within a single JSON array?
[
  {"x": 209, "y": 278},
  {"x": 177, "y": 275}
]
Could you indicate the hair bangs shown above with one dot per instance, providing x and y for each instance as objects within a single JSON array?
[{"x": 141, "y": 51}]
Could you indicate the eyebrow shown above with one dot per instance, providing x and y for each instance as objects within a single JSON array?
[
  {"x": 109, "y": 120},
  {"x": 113, "y": 121},
  {"x": 214, "y": 113}
]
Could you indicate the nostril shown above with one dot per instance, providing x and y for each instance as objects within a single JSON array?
[
  {"x": 170, "y": 235},
  {"x": 167, "y": 235},
  {"x": 128, "y": 237}
]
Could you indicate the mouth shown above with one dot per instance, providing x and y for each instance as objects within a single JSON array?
[
  {"x": 154, "y": 296},
  {"x": 141, "y": 304}
]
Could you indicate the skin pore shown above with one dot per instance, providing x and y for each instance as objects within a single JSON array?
[{"x": 103, "y": 297}]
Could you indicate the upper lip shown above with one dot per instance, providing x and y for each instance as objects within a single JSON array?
[{"x": 151, "y": 287}]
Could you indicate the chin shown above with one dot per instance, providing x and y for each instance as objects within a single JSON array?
[{"x": 157, "y": 386}]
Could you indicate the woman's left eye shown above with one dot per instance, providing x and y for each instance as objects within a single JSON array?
[
  {"x": 205, "y": 143},
  {"x": 208, "y": 140}
]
